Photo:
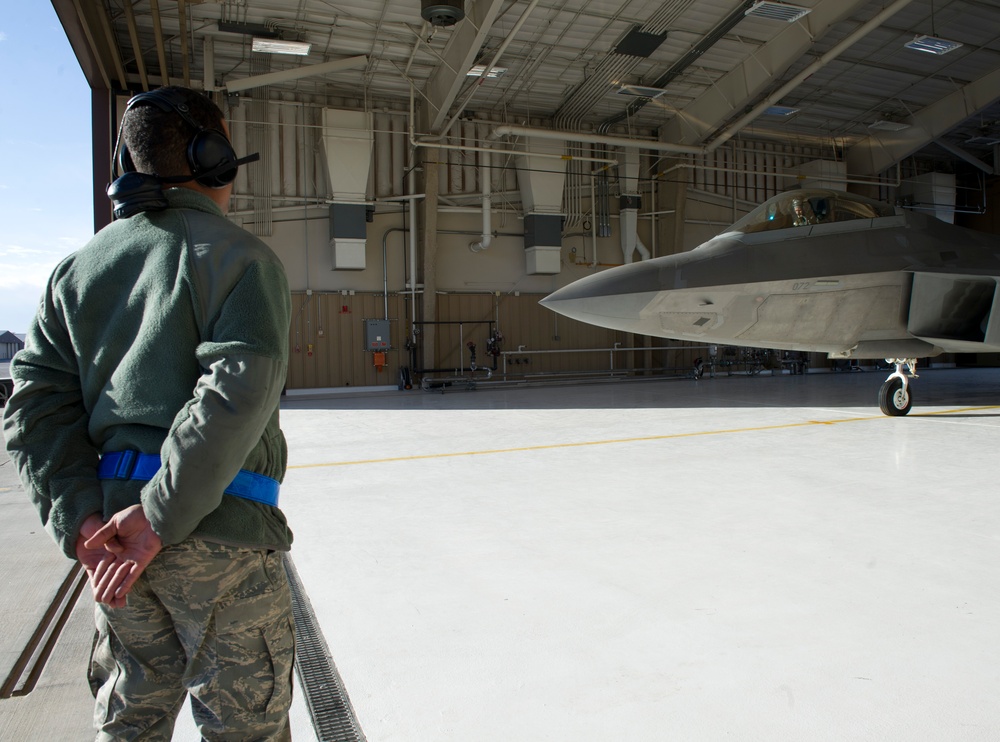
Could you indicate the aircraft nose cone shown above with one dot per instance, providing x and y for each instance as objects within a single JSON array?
[{"x": 613, "y": 298}]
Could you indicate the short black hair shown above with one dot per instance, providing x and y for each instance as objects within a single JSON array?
[{"x": 157, "y": 140}]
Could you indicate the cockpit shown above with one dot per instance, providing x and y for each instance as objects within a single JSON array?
[{"x": 802, "y": 208}]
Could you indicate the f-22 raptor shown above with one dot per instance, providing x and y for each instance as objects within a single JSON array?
[{"x": 819, "y": 271}]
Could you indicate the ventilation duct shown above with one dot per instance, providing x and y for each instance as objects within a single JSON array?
[
  {"x": 817, "y": 174},
  {"x": 541, "y": 181},
  {"x": 628, "y": 206},
  {"x": 347, "y": 142},
  {"x": 931, "y": 192}
]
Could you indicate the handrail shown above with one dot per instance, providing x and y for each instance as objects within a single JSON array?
[{"x": 611, "y": 352}]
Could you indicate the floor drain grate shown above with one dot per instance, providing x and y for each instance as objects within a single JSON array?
[{"x": 330, "y": 708}]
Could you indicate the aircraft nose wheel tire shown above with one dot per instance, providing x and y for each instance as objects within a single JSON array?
[{"x": 894, "y": 399}]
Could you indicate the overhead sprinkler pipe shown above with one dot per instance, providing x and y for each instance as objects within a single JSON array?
[
  {"x": 432, "y": 143},
  {"x": 571, "y": 136},
  {"x": 467, "y": 148}
]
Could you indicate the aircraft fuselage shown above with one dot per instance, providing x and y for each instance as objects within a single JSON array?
[{"x": 888, "y": 284}]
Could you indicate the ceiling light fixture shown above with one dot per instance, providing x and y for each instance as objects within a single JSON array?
[
  {"x": 932, "y": 45},
  {"x": 479, "y": 70},
  {"x": 777, "y": 11},
  {"x": 280, "y": 46},
  {"x": 780, "y": 111}
]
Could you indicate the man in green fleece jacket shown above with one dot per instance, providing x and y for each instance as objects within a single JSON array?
[{"x": 144, "y": 426}]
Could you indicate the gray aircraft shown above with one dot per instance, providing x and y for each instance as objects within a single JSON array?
[{"x": 818, "y": 271}]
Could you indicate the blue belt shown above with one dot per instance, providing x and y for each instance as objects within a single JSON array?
[{"x": 134, "y": 465}]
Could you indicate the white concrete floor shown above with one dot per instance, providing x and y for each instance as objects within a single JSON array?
[{"x": 737, "y": 558}]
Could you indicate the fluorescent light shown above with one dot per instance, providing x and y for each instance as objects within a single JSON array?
[
  {"x": 780, "y": 111},
  {"x": 640, "y": 91},
  {"x": 777, "y": 11},
  {"x": 279, "y": 46},
  {"x": 884, "y": 125},
  {"x": 932, "y": 45},
  {"x": 478, "y": 70}
]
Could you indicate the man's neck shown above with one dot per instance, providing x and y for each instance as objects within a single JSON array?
[{"x": 219, "y": 195}]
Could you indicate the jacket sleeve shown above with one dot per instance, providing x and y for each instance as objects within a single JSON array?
[
  {"x": 243, "y": 371},
  {"x": 45, "y": 424}
]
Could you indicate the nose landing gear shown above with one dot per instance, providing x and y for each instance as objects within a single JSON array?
[{"x": 895, "y": 397}]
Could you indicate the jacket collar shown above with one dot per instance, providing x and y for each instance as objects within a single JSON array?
[{"x": 185, "y": 198}]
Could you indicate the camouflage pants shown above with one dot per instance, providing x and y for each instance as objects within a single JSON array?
[{"x": 211, "y": 620}]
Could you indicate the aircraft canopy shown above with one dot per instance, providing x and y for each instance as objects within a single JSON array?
[{"x": 801, "y": 208}]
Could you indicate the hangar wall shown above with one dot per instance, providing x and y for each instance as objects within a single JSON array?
[{"x": 286, "y": 199}]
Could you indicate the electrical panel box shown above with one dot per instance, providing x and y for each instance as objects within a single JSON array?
[{"x": 377, "y": 334}]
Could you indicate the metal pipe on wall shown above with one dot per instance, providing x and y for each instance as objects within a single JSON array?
[
  {"x": 569, "y": 136},
  {"x": 486, "y": 174}
]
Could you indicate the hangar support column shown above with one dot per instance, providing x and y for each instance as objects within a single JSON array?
[{"x": 428, "y": 211}]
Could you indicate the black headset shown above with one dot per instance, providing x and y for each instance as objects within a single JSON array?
[{"x": 210, "y": 155}]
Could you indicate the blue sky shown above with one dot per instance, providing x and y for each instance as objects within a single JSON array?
[{"x": 45, "y": 181}]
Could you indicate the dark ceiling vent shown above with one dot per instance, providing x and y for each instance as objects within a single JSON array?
[
  {"x": 638, "y": 43},
  {"x": 439, "y": 13}
]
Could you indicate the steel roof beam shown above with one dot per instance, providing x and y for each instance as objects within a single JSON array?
[
  {"x": 879, "y": 151},
  {"x": 133, "y": 34},
  {"x": 963, "y": 155},
  {"x": 741, "y": 85},
  {"x": 466, "y": 41},
  {"x": 100, "y": 64},
  {"x": 161, "y": 51}
]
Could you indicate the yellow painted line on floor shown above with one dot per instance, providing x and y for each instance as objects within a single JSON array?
[{"x": 638, "y": 439}]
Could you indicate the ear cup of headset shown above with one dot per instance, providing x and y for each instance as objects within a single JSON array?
[
  {"x": 209, "y": 152},
  {"x": 133, "y": 193}
]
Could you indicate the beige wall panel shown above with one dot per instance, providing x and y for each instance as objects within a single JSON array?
[{"x": 333, "y": 324}]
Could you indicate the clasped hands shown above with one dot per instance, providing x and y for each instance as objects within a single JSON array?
[{"x": 116, "y": 553}]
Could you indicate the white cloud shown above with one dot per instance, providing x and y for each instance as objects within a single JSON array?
[
  {"x": 24, "y": 275},
  {"x": 28, "y": 268},
  {"x": 3, "y": 36},
  {"x": 9, "y": 250}
]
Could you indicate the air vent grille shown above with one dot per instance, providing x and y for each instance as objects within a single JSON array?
[{"x": 777, "y": 11}]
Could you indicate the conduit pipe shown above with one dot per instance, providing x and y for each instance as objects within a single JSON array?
[
  {"x": 824, "y": 60},
  {"x": 570, "y": 136},
  {"x": 486, "y": 176},
  {"x": 430, "y": 143},
  {"x": 741, "y": 171},
  {"x": 465, "y": 148}
]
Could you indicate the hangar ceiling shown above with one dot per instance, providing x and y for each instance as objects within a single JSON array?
[{"x": 696, "y": 73}]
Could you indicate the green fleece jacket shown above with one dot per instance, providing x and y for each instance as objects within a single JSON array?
[{"x": 168, "y": 334}]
